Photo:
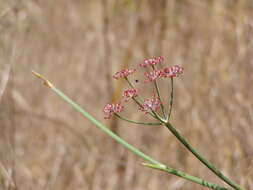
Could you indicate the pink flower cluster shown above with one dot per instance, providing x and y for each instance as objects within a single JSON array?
[
  {"x": 150, "y": 104},
  {"x": 153, "y": 75},
  {"x": 152, "y": 61},
  {"x": 130, "y": 93},
  {"x": 123, "y": 73},
  {"x": 110, "y": 109},
  {"x": 173, "y": 71}
]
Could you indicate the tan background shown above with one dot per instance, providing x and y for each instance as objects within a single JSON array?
[{"x": 78, "y": 44}]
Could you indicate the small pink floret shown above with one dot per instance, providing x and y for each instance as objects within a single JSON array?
[
  {"x": 110, "y": 109},
  {"x": 123, "y": 73},
  {"x": 130, "y": 93},
  {"x": 150, "y": 104},
  {"x": 173, "y": 71},
  {"x": 153, "y": 75},
  {"x": 152, "y": 61}
]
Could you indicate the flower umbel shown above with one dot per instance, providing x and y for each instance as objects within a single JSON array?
[
  {"x": 110, "y": 109},
  {"x": 150, "y": 104},
  {"x": 130, "y": 93},
  {"x": 152, "y": 61},
  {"x": 173, "y": 71},
  {"x": 123, "y": 73}
]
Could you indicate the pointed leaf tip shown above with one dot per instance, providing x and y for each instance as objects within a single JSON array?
[{"x": 45, "y": 81}]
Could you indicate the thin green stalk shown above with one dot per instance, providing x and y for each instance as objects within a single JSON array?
[
  {"x": 129, "y": 83},
  {"x": 124, "y": 143},
  {"x": 160, "y": 98},
  {"x": 135, "y": 122},
  {"x": 178, "y": 173},
  {"x": 159, "y": 94},
  {"x": 102, "y": 127},
  {"x": 171, "y": 98},
  {"x": 201, "y": 158}
]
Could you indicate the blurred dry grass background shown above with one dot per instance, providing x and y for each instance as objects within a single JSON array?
[{"x": 78, "y": 44}]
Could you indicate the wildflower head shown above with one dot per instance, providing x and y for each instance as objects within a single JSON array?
[
  {"x": 151, "y": 61},
  {"x": 150, "y": 104},
  {"x": 130, "y": 93},
  {"x": 153, "y": 75},
  {"x": 123, "y": 73},
  {"x": 110, "y": 109},
  {"x": 173, "y": 71}
]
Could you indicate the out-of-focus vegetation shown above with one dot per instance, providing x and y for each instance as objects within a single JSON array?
[{"x": 78, "y": 45}]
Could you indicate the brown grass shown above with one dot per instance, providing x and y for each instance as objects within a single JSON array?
[{"x": 44, "y": 144}]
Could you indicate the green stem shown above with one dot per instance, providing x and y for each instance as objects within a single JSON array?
[
  {"x": 135, "y": 122},
  {"x": 129, "y": 83},
  {"x": 160, "y": 98},
  {"x": 171, "y": 98},
  {"x": 128, "y": 146},
  {"x": 102, "y": 127},
  {"x": 201, "y": 158},
  {"x": 178, "y": 173},
  {"x": 159, "y": 94}
]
